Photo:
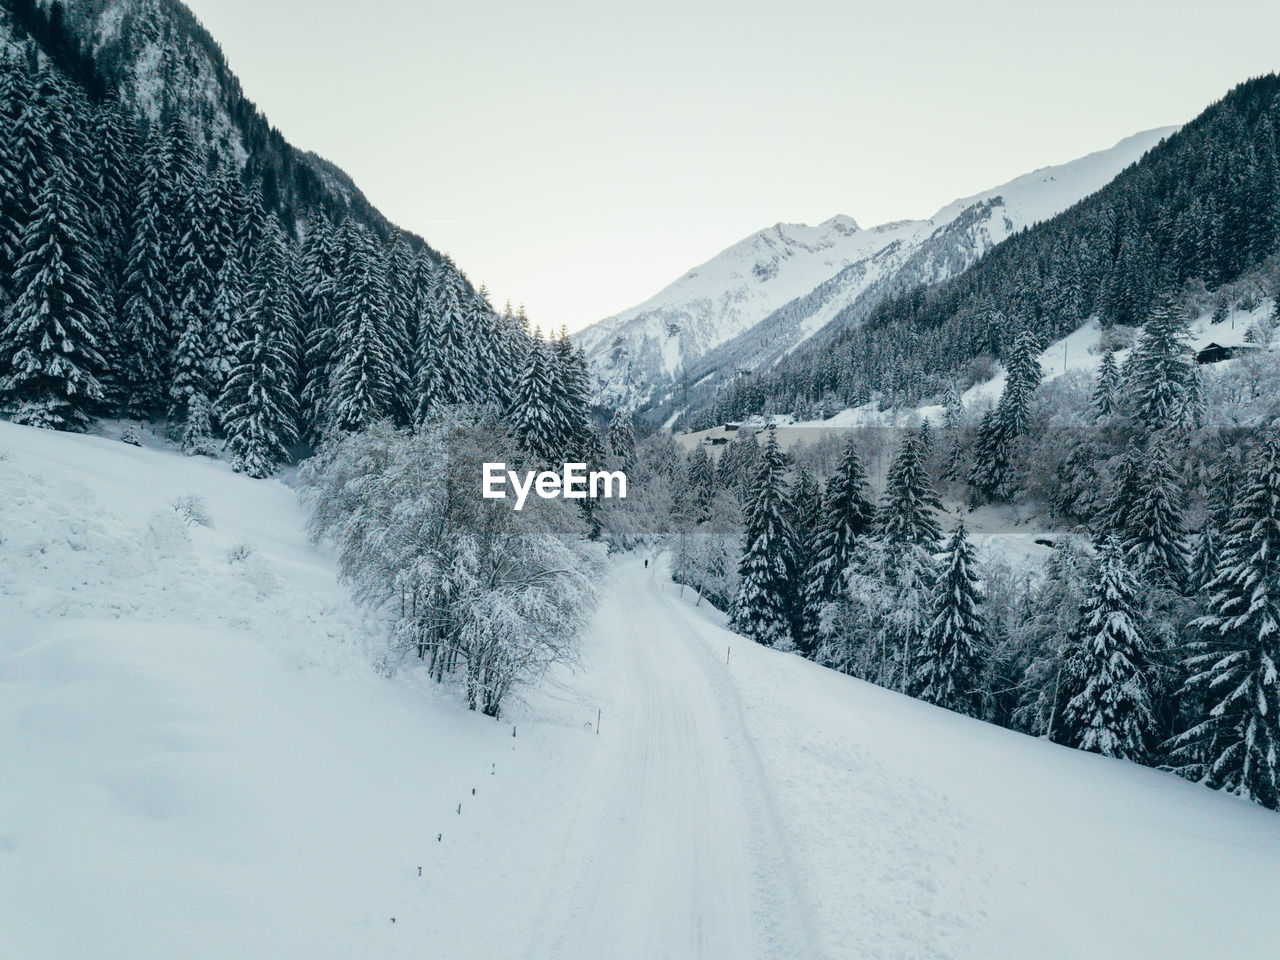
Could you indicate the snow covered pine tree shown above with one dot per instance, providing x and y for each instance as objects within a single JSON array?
[
  {"x": 1111, "y": 712},
  {"x": 1234, "y": 670},
  {"x": 948, "y": 670},
  {"x": 767, "y": 571}
]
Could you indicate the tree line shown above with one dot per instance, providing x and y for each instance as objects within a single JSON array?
[{"x": 142, "y": 278}]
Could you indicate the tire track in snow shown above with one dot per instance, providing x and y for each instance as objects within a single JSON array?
[
  {"x": 782, "y": 905},
  {"x": 677, "y": 853}
]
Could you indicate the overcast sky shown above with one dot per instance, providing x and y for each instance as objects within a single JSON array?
[{"x": 579, "y": 155}]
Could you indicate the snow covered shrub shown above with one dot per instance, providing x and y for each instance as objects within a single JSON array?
[
  {"x": 130, "y": 436},
  {"x": 252, "y": 567},
  {"x": 478, "y": 591},
  {"x": 1116, "y": 337},
  {"x": 193, "y": 510},
  {"x": 255, "y": 571},
  {"x": 166, "y": 535}
]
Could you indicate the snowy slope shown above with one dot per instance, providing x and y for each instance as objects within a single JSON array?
[
  {"x": 198, "y": 761},
  {"x": 1077, "y": 352},
  {"x": 769, "y": 292},
  {"x": 198, "y": 758}
]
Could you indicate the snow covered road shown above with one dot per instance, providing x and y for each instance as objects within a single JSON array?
[{"x": 677, "y": 854}]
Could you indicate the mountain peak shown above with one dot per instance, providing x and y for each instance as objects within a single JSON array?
[
  {"x": 770, "y": 291},
  {"x": 842, "y": 223}
]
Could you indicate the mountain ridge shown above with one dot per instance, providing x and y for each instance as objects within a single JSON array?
[{"x": 705, "y": 334}]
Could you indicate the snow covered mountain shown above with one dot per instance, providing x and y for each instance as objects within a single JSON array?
[
  {"x": 770, "y": 292},
  {"x": 160, "y": 63}
]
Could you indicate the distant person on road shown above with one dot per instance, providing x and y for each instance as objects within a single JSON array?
[{"x": 646, "y": 563}]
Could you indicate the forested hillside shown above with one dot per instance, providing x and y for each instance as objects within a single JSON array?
[
  {"x": 1197, "y": 211},
  {"x": 158, "y": 60},
  {"x": 150, "y": 270}
]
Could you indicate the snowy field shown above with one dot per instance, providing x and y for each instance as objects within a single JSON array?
[{"x": 198, "y": 759}]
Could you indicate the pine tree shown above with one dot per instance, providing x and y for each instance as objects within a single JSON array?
[
  {"x": 145, "y": 337},
  {"x": 482, "y": 323},
  {"x": 1163, "y": 380},
  {"x": 179, "y": 175},
  {"x": 532, "y": 415},
  {"x": 1234, "y": 669},
  {"x": 948, "y": 670},
  {"x": 1111, "y": 714},
  {"x": 320, "y": 263},
  {"x": 1204, "y": 561},
  {"x": 197, "y": 430},
  {"x": 429, "y": 386},
  {"x": 260, "y": 417},
  {"x": 225, "y": 318},
  {"x": 1106, "y": 393},
  {"x": 765, "y": 602},
  {"x": 908, "y": 514},
  {"x": 848, "y": 515},
  {"x": 193, "y": 297},
  {"x": 990, "y": 474},
  {"x": 115, "y": 149},
  {"x": 396, "y": 264},
  {"x": 806, "y": 520},
  {"x": 1221, "y": 496},
  {"x": 699, "y": 488},
  {"x": 621, "y": 439},
  {"x": 509, "y": 350},
  {"x": 364, "y": 371},
  {"x": 24, "y": 159},
  {"x": 50, "y": 344},
  {"x": 738, "y": 465},
  {"x": 570, "y": 396},
  {"x": 1155, "y": 542},
  {"x": 1021, "y": 383},
  {"x": 953, "y": 427},
  {"x": 1117, "y": 517},
  {"x": 452, "y": 352},
  {"x": 250, "y": 223}
]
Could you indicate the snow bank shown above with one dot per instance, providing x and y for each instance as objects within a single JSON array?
[{"x": 198, "y": 757}]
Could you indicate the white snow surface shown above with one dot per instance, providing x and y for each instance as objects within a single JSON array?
[
  {"x": 197, "y": 760},
  {"x": 640, "y": 348}
]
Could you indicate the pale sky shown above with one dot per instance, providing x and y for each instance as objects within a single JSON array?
[{"x": 578, "y": 155}]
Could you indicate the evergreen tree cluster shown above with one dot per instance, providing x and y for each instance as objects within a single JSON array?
[
  {"x": 159, "y": 61},
  {"x": 142, "y": 277},
  {"x": 872, "y": 591}
]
